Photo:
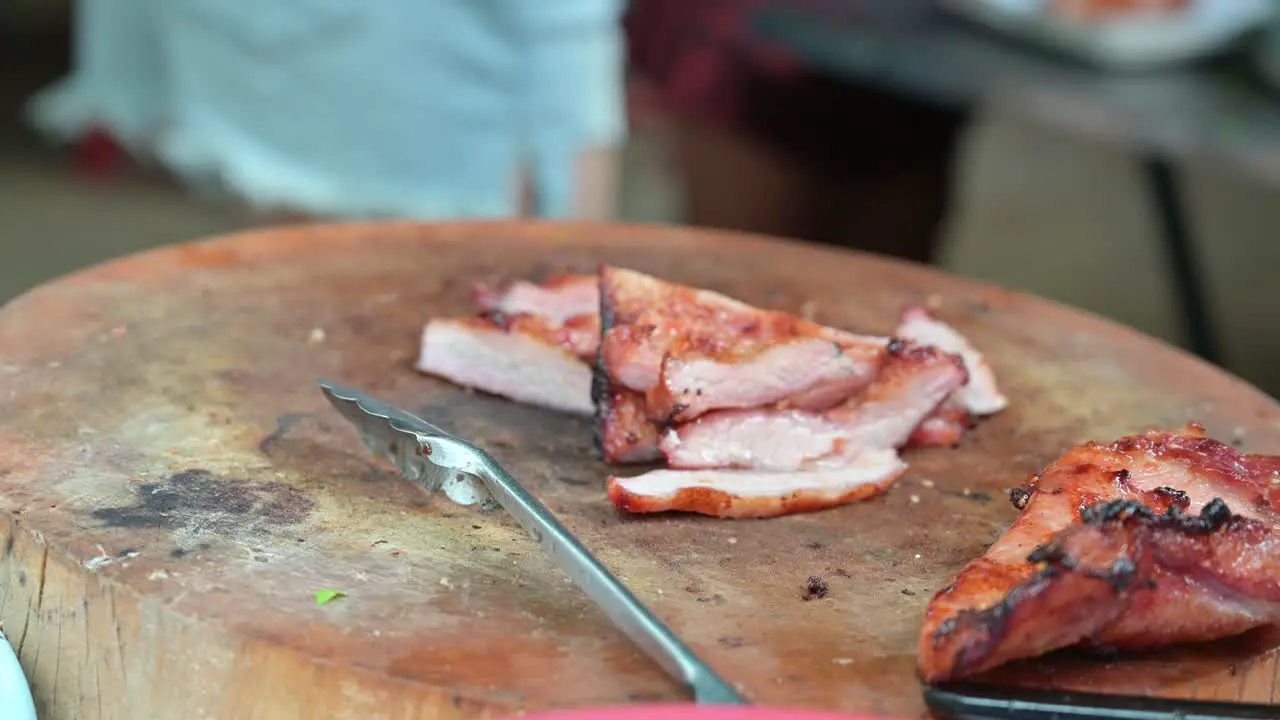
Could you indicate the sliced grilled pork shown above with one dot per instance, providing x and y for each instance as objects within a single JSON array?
[
  {"x": 753, "y": 494},
  {"x": 945, "y": 427},
  {"x": 557, "y": 299},
  {"x": 1156, "y": 539},
  {"x": 645, "y": 319},
  {"x": 579, "y": 334},
  {"x": 624, "y": 435},
  {"x": 912, "y": 385},
  {"x": 690, "y": 351},
  {"x": 980, "y": 395},
  {"x": 809, "y": 373},
  {"x": 516, "y": 364}
]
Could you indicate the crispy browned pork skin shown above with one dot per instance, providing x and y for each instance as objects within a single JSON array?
[
  {"x": 752, "y": 494},
  {"x": 689, "y": 351},
  {"x": 912, "y": 385},
  {"x": 1155, "y": 539}
]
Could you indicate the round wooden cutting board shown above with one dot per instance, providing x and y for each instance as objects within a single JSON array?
[{"x": 176, "y": 489}]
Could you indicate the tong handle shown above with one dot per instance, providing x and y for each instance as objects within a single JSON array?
[
  {"x": 990, "y": 702},
  {"x": 625, "y": 609}
]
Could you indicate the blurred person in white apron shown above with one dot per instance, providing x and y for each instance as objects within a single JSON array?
[{"x": 396, "y": 108}]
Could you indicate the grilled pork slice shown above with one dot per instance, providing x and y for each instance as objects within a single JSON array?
[
  {"x": 692, "y": 350},
  {"x": 1156, "y": 539},
  {"x": 913, "y": 383},
  {"x": 557, "y": 299},
  {"x": 809, "y": 373},
  {"x": 624, "y": 435},
  {"x": 579, "y": 334},
  {"x": 749, "y": 494},
  {"x": 980, "y": 395},
  {"x": 521, "y": 366},
  {"x": 945, "y": 427}
]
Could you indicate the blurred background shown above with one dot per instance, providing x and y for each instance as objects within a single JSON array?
[{"x": 1122, "y": 156}]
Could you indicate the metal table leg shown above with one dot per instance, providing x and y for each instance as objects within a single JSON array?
[{"x": 1189, "y": 286}]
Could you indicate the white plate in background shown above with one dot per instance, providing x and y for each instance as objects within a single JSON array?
[
  {"x": 1125, "y": 43},
  {"x": 15, "y": 694}
]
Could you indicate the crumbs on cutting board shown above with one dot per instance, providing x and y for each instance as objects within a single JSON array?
[{"x": 815, "y": 588}]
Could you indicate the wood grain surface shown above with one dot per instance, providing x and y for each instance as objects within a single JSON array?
[{"x": 176, "y": 489}]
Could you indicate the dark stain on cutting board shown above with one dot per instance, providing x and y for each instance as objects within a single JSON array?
[{"x": 216, "y": 505}]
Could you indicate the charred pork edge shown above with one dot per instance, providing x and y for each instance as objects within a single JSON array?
[
  {"x": 993, "y": 622},
  {"x": 601, "y": 387}
]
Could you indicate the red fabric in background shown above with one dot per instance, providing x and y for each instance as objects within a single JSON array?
[
  {"x": 700, "y": 56},
  {"x": 702, "y": 60}
]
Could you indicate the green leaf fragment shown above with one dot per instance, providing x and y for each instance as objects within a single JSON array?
[{"x": 328, "y": 596}]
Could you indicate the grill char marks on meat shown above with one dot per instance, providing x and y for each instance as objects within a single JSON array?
[
  {"x": 1156, "y": 539},
  {"x": 624, "y": 434},
  {"x": 751, "y": 494},
  {"x": 914, "y": 382}
]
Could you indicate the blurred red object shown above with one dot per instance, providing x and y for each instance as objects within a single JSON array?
[
  {"x": 696, "y": 712},
  {"x": 98, "y": 156},
  {"x": 1093, "y": 10}
]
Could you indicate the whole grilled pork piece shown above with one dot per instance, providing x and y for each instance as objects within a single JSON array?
[
  {"x": 978, "y": 397},
  {"x": 753, "y": 494},
  {"x": 914, "y": 382},
  {"x": 1155, "y": 539},
  {"x": 519, "y": 363}
]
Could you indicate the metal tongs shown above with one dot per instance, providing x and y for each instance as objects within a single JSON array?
[
  {"x": 969, "y": 701},
  {"x": 467, "y": 475}
]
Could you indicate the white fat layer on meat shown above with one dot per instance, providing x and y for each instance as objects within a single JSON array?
[
  {"x": 871, "y": 468},
  {"x": 513, "y": 365},
  {"x": 980, "y": 395}
]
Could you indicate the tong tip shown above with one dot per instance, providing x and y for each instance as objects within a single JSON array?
[{"x": 343, "y": 398}]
